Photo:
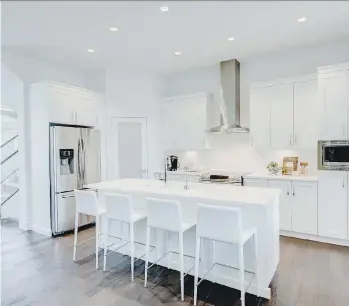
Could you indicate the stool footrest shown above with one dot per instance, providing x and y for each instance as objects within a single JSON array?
[{"x": 218, "y": 264}]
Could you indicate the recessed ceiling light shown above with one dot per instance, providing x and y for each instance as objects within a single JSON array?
[
  {"x": 113, "y": 29},
  {"x": 90, "y": 50},
  {"x": 231, "y": 38},
  {"x": 178, "y": 53},
  {"x": 164, "y": 8},
  {"x": 302, "y": 19}
]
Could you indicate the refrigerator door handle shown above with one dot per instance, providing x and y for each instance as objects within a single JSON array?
[
  {"x": 82, "y": 162},
  {"x": 79, "y": 164}
]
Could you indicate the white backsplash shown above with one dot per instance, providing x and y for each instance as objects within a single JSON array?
[{"x": 233, "y": 153}]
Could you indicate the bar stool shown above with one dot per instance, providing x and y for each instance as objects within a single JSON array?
[
  {"x": 229, "y": 230},
  {"x": 87, "y": 204},
  {"x": 166, "y": 215},
  {"x": 119, "y": 208}
]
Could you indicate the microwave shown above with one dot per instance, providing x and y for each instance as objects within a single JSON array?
[{"x": 333, "y": 155}]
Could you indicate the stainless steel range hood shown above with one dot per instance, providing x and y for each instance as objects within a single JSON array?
[{"x": 230, "y": 95}]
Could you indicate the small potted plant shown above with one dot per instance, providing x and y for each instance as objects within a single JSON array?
[{"x": 273, "y": 168}]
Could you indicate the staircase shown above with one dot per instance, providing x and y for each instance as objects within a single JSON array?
[{"x": 9, "y": 164}]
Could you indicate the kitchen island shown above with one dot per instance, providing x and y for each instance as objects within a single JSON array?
[{"x": 259, "y": 207}]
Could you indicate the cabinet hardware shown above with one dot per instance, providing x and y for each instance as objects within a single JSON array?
[
  {"x": 295, "y": 138},
  {"x": 343, "y": 181},
  {"x": 290, "y": 139},
  {"x": 288, "y": 193}
]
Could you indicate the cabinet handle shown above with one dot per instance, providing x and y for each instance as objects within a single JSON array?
[
  {"x": 290, "y": 139},
  {"x": 295, "y": 138},
  {"x": 343, "y": 181}
]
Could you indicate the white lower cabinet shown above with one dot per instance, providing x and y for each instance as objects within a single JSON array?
[
  {"x": 333, "y": 204},
  {"x": 304, "y": 207},
  {"x": 298, "y": 203},
  {"x": 285, "y": 202}
]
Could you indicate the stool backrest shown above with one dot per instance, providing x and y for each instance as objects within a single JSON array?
[
  {"x": 86, "y": 202},
  {"x": 118, "y": 206},
  {"x": 219, "y": 223},
  {"x": 164, "y": 214}
]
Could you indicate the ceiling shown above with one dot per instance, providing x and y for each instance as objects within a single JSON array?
[{"x": 147, "y": 38}]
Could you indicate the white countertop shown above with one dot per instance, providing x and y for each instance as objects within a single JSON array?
[
  {"x": 181, "y": 172},
  {"x": 281, "y": 177},
  {"x": 226, "y": 193}
]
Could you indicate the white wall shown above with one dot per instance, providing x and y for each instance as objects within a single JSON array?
[
  {"x": 134, "y": 94},
  {"x": 31, "y": 70},
  {"x": 12, "y": 96},
  {"x": 232, "y": 151}
]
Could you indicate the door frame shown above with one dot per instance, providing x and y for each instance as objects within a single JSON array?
[{"x": 143, "y": 121}]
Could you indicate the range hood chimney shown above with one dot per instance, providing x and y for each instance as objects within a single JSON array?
[{"x": 230, "y": 94}]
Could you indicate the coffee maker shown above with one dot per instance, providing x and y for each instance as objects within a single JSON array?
[{"x": 172, "y": 163}]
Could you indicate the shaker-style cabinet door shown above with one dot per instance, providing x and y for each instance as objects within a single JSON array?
[
  {"x": 305, "y": 118},
  {"x": 304, "y": 207},
  {"x": 281, "y": 116},
  {"x": 333, "y": 96},
  {"x": 333, "y": 204},
  {"x": 60, "y": 105},
  {"x": 168, "y": 124},
  {"x": 285, "y": 202},
  {"x": 87, "y": 109},
  {"x": 260, "y": 117}
]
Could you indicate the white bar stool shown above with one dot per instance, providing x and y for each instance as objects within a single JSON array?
[
  {"x": 229, "y": 230},
  {"x": 166, "y": 215},
  {"x": 87, "y": 204},
  {"x": 119, "y": 207}
]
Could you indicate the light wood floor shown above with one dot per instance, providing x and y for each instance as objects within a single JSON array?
[{"x": 39, "y": 271}]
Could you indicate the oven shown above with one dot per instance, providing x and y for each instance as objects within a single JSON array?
[{"x": 333, "y": 155}]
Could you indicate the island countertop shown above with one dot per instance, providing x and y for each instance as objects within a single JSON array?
[
  {"x": 259, "y": 209},
  {"x": 219, "y": 192}
]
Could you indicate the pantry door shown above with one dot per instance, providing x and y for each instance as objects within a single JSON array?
[{"x": 128, "y": 156}]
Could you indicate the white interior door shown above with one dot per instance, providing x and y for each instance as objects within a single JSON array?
[{"x": 129, "y": 158}]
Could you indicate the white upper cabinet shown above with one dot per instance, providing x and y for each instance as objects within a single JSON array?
[
  {"x": 283, "y": 114},
  {"x": 305, "y": 115},
  {"x": 281, "y": 118},
  {"x": 260, "y": 117},
  {"x": 304, "y": 207},
  {"x": 70, "y": 105},
  {"x": 285, "y": 202},
  {"x": 333, "y": 97},
  {"x": 183, "y": 123},
  {"x": 87, "y": 109},
  {"x": 59, "y": 103},
  {"x": 333, "y": 204}
]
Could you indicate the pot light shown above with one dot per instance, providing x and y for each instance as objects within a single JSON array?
[
  {"x": 302, "y": 19},
  {"x": 231, "y": 38},
  {"x": 113, "y": 29},
  {"x": 178, "y": 53},
  {"x": 90, "y": 50},
  {"x": 164, "y": 8}
]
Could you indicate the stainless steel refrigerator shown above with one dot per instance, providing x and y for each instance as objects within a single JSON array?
[{"x": 74, "y": 161}]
